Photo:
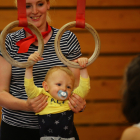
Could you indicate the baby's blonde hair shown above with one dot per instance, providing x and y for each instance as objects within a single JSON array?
[{"x": 65, "y": 69}]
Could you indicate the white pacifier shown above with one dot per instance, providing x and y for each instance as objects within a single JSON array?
[{"x": 62, "y": 94}]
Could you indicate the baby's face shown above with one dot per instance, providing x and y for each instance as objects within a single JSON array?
[{"x": 59, "y": 80}]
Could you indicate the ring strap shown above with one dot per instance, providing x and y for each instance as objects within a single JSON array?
[
  {"x": 21, "y": 5},
  {"x": 80, "y": 14}
]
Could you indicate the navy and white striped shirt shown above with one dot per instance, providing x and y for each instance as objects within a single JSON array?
[{"x": 70, "y": 48}]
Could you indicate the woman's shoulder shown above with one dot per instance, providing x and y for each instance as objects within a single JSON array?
[
  {"x": 66, "y": 33},
  {"x": 131, "y": 133},
  {"x": 17, "y": 34}
]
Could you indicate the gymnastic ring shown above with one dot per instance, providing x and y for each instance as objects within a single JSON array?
[
  {"x": 3, "y": 48},
  {"x": 58, "y": 49}
]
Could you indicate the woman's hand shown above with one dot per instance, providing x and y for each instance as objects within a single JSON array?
[
  {"x": 76, "y": 103},
  {"x": 37, "y": 104}
]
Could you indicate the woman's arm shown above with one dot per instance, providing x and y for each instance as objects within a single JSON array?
[
  {"x": 9, "y": 101},
  {"x": 6, "y": 99}
]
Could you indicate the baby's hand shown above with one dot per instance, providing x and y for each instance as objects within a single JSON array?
[
  {"x": 35, "y": 57},
  {"x": 82, "y": 61}
]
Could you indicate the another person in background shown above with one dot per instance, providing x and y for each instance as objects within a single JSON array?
[
  {"x": 19, "y": 121},
  {"x": 56, "y": 119},
  {"x": 131, "y": 100}
]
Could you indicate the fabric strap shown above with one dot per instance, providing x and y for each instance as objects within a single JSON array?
[
  {"x": 25, "y": 43},
  {"x": 80, "y": 14},
  {"x": 21, "y": 6}
]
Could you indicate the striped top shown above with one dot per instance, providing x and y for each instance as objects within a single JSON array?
[{"x": 70, "y": 48}]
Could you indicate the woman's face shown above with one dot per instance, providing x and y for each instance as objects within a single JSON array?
[{"x": 36, "y": 11}]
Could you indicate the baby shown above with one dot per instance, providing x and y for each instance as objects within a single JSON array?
[{"x": 56, "y": 119}]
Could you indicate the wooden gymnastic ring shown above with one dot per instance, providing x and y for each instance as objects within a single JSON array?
[
  {"x": 58, "y": 49},
  {"x": 3, "y": 48}
]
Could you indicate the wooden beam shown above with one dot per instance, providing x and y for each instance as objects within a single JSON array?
[
  {"x": 69, "y": 3},
  {"x": 100, "y": 132},
  {"x": 102, "y": 113},
  {"x": 105, "y": 89},
  {"x": 124, "y": 19},
  {"x": 109, "y": 66},
  {"x": 115, "y": 42}
]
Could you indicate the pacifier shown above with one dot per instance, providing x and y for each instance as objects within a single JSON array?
[{"x": 62, "y": 94}]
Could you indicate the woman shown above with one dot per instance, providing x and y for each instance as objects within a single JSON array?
[
  {"x": 18, "y": 118},
  {"x": 131, "y": 100}
]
